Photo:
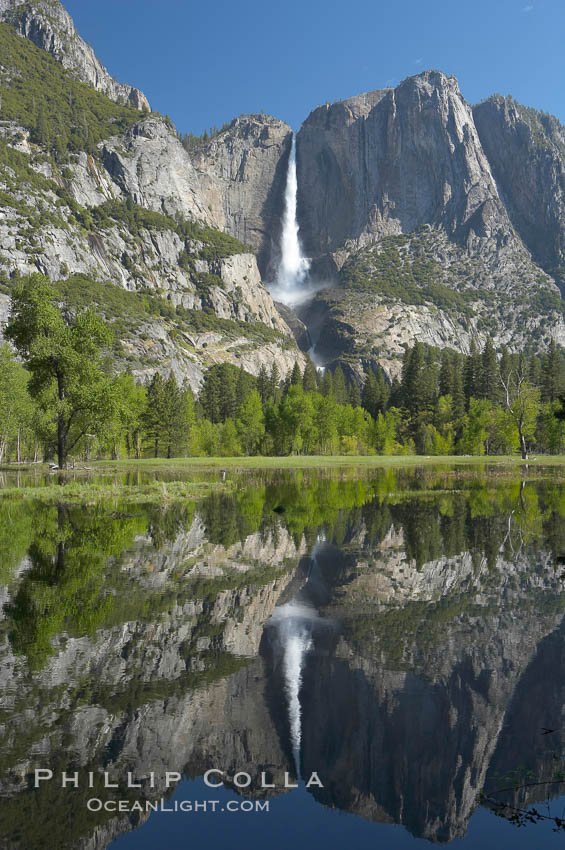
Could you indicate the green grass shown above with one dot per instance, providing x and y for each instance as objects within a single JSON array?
[
  {"x": 76, "y": 487},
  {"x": 289, "y": 462},
  {"x": 84, "y": 492}
]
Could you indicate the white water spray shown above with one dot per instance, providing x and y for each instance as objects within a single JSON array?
[
  {"x": 289, "y": 286},
  {"x": 293, "y": 622}
]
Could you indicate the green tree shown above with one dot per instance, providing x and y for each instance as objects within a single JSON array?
[
  {"x": 133, "y": 397},
  {"x": 275, "y": 383},
  {"x": 370, "y": 398},
  {"x": 251, "y": 423},
  {"x": 154, "y": 413},
  {"x": 523, "y": 403},
  {"x": 327, "y": 384},
  {"x": 325, "y": 422},
  {"x": 16, "y": 409},
  {"x": 309, "y": 380},
  {"x": 475, "y": 427},
  {"x": 296, "y": 415},
  {"x": 228, "y": 443},
  {"x": 65, "y": 360},
  {"x": 472, "y": 373},
  {"x": 552, "y": 373},
  {"x": 263, "y": 384},
  {"x": 489, "y": 373},
  {"x": 296, "y": 375},
  {"x": 446, "y": 374},
  {"x": 219, "y": 394},
  {"x": 339, "y": 386},
  {"x": 42, "y": 129},
  {"x": 354, "y": 394},
  {"x": 175, "y": 420}
]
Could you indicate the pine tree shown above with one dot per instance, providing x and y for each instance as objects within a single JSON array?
[
  {"x": 174, "y": 424},
  {"x": 370, "y": 396},
  {"x": 246, "y": 383},
  {"x": 295, "y": 375},
  {"x": 552, "y": 379},
  {"x": 446, "y": 374},
  {"x": 376, "y": 393},
  {"x": 327, "y": 384},
  {"x": 354, "y": 394},
  {"x": 490, "y": 382},
  {"x": 414, "y": 390},
  {"x": 472, "y": 373},
  {"x": 42, "y": 129},
  {"x": 458, "y": 389},
  {"x": 505, "y": 367},
  {"x": 395, "y": 399},
  {"x": 535, "y": 377},
  {"x": 340, "y": 388},
  {"x": 430, "y": 382},
  {"x": 263, "y": 387},
  {"x": 210, "y": 396},
  {"x": 154, "y": 412},
  {"x": 275, "y": 383},
  {"x": 60, "y": 142},
  {"x": 309, "y": 380},
  {"x": 383, "y": 391}
]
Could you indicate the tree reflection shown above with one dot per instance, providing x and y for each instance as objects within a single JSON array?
[{"x": 64, "y": 588}]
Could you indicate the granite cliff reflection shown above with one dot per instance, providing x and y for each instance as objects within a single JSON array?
[{"x": 397, "y": 633}]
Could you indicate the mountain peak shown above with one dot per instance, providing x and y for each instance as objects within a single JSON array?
[{"x": 49, "y": 26}]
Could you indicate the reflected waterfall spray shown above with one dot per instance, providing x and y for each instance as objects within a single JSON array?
[{"x": 293, "y": 622}]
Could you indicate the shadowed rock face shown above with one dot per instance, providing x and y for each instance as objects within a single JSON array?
[
  {"x": 526, "y": 150},
  {"x": 388, "y": 161},
  {"x": 242, "y": 174},
  {"x": 400, "y": 181},
  {"x": 412, "y": 741},
  {"x": 49, "y": 26}
]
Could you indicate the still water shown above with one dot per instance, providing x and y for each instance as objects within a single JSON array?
[{"x": 362, "y": 657}]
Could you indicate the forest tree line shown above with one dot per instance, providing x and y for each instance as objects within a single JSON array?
[{"x": 62, "y": 400}]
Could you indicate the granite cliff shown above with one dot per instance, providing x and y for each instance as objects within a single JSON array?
[
  {"x": 425, "y": 218},
  {"x": 118, "y": 201},
  {"x": 423, "y": 223},
  {"x": 242, "y": 175},
  {"x": 526, "y": 151}
]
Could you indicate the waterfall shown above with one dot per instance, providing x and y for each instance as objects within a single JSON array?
[{"x": 293, "y": 267}]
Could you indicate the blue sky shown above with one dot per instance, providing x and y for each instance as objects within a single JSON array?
[{"x": 204, "y": 62}]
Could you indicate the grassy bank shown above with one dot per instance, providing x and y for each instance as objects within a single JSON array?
[
  {"x": 163, "y": 481},
  {"x": 70, "y": 491},
  {"x": 307, "y": 461}
]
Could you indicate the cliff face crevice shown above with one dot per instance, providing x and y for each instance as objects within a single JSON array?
[{"x": 526, "y": 150}]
